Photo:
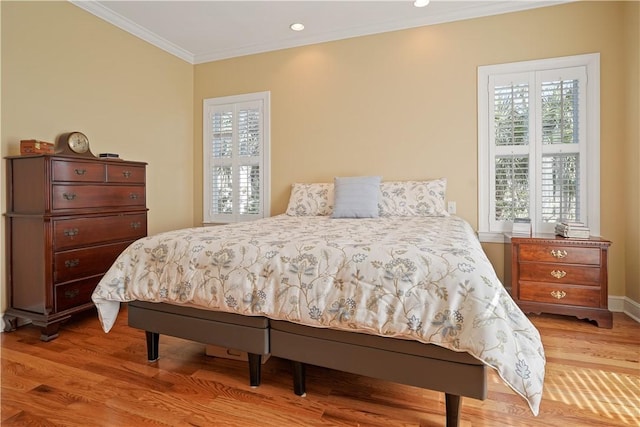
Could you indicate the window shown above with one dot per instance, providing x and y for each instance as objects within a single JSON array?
[
  {"x": 539, "y": 144},
  {"x": 236, "y": 158}
]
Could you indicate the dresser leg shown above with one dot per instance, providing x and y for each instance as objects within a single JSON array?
[
  {"x": 49, "y": 331},
  {"x": 10, "y": 323}
]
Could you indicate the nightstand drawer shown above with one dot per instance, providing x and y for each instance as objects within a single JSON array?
[
  {"x": 560, "y": 294},
  {"x": 560, "y": 273},
  {"x": 557, "y": 253}
]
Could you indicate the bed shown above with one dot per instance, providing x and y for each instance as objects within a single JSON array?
[{"x": 406, "y": 295}]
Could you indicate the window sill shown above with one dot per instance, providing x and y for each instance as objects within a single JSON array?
[{"x": 491, "y": 237}]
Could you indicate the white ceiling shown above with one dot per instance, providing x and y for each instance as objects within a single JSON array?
[{"x": 203, "y": 31}]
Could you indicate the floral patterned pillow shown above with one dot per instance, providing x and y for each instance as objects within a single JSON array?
[
  {"x": 311, "y": 199},
  {"x": 413, "y": 198}
]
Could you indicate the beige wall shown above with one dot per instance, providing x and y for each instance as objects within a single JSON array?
[
  {"x": 632, "y": 138},
  {"x": 64, "y": 69},
  {"x": 400, "y": 104},
  {"x": 403, "y": 105}
]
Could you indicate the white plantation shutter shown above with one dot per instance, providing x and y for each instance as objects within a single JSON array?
[
  {"x": 560, "y": 188},
  {"x": 236, "y": 158},
  {"x": 511, "y": 187},
  {"x": 561, "y": 119},
  {"x": 539, "y": 143}
]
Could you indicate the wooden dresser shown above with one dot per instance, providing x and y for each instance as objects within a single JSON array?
[
  {"x": 68, "y": 218},
  {"x": 552, "y": 274}
]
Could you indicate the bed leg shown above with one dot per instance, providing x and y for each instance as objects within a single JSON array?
[
  {"x": 255, "y": 362},
  {"x": 153, "y": 341},
  {"x": 452, "y": 403},
  {"x": 299, "y": 379}
]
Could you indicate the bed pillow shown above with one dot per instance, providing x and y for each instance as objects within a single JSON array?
[
  {"x": 413, "y": 198},
  {"x": 311, "y": 199},
  {"x": 356, "y": 197}
]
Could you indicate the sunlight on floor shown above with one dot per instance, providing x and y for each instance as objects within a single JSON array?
[{"x": 592, "y": 390}]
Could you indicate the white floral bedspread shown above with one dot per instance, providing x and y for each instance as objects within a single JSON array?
[{"x": 422, "y": 278}]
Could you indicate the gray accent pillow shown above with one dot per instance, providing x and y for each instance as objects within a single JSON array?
[{"x": 356, "y": 197}]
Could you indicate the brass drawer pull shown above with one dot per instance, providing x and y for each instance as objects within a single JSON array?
[
  {"x": 80, "y": 171},
  {"x": 558, "y": 294},
  {"x": 70, "y": 263},
  {"x": 133, "y": 196},
  {"x": 70, "y": 232},
  {"x": 126, "y": 174},
  {"x": 71, "y": 293},
  {"x": 69, "y": 196},
  {"x": 558, "y": 274},
  {"x": 135, "y": 225},
  {"x": 559, "y": 253}
]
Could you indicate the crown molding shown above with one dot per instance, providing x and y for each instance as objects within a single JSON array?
[
  {"x": 106, "y": 14},
  {"x": 481, "y": 9}
]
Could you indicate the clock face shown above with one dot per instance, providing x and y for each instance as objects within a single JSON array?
[{"x": 78, "y": 142}]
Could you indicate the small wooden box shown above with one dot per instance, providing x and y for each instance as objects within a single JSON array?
[{"x": 32, "y": 146}]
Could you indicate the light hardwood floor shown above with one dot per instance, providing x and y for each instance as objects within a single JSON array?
[{"x": 89, "y": 378}]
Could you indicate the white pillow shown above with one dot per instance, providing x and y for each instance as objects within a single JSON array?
[
  {"x": 311, "y": 199},
  {"x": 413, "y": 198},
  {"x": 356, "y": 197}
]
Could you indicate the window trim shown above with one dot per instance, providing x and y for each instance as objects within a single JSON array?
[
  {"x": 265, "y": 210},
  {"x": 591, "y": 62}
]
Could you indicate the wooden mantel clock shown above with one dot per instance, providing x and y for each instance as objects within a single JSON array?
[{"x": 74, "y": 144}]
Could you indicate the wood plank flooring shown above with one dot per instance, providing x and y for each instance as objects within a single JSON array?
[{"x": 89, "y": 378}]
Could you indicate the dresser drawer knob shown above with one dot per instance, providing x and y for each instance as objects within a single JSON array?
[
  {"x": 126, "y": 174},
  {"x": 559, "y": 253},
  {"x": 70, "y": 263},
  {"x": 558, "y": 294},
  {"x": 133, "y": 196},
  {"x": 135, "y": 225},
  {"x": 80, "y": 171},
  {"x": 558, "y": 274},
  {"x": 69, "y": 196},
  {"x": 71, "y": 232},
  {"x": 71, "y": 293}
]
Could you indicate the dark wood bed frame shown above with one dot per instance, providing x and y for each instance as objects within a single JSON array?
[{"x": 457, "y": 374}]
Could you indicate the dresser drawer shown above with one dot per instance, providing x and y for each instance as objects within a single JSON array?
[
  {"x": 560, "y": 294},
  {"x": 73, "y": 294},
  {"x": 97, "y": 196},
  {"x": 560, "y": 273},
  {"x": 68, "y": 171},
  {"x": 79, "y": 263},
  {"x": 125, "y": 173},
  {"x": 70, "y": 233},
  {"x": 557, "y": 253}
]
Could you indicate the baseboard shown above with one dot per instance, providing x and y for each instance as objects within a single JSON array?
[{"x": 625, "y": 305}]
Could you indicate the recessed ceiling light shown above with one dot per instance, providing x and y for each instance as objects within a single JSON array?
[
  {"x": 420, "y": 3},
  {"x": 297, "y": 26}
]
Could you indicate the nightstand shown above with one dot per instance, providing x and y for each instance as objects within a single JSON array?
[{"x": 552, "y": 274}]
